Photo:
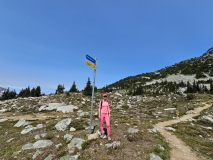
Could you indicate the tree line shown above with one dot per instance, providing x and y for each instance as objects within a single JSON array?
[
  {"x": 36, "y": 92},
  {"x": 86, "y": 91}
]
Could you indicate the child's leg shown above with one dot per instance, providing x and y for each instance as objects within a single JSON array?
[{"x": 107, "y": 119}]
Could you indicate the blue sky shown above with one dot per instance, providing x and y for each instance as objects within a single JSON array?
[{"x": 45, "y": 42}]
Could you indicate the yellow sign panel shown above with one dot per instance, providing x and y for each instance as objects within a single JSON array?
[{"x": 90, "y": 64}]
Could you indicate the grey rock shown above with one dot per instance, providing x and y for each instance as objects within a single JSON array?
[
  {"x": 68, "y": 157},
  {"x": 62, "y": 125},
  {"x": 169, "y": 109},
  {"x": 30, "y": 128},
  {"x": 10, "y": 140},
  {"x": 50, "y": 157},
  {"x": 208, "y": 118},
  {"x": 3, "y": 120},
  {"x": 132, "y": 130},
  {"x": 42, "y": 144},
  {"x": 169, "y": 129},
  {"x": 76, "y": 142},
  {"x": 37, "y": 137},
  {"x": 93, "y": 136},
  {"x": 154, "y": 157},
  {"x": 66, "y": 109},
  {"x": 22, "y": 123},
  {"x": 83, "y": 114},
  {"x": 68, "y": 138},
  {"x": 58, "y": 146},
  {"x": 51, "y": 106},
  {"x": 28, "y": 146},
  {"x": 153, "y": 130},
  {"x": 43, "y": 135},
  {"x": 114, "y": 144},
  {"x": 37, "y": 154},
  {"x": 3, "y": 110}
]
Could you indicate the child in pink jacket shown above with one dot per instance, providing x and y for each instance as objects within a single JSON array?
[{"x": 104, "y": 114}]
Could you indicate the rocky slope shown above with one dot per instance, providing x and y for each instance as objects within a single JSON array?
[
  {"x": 198, "y": 69},
  {"x": 57, "y": 126}
]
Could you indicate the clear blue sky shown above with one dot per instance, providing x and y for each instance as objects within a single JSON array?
[{"x": 45, "y": 42}]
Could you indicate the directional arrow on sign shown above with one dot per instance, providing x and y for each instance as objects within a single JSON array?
[{"x": 90, "y": 64}]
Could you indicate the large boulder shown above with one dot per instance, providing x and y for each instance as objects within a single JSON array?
[
  {"x": 66, "y": 109},
  {"x": 76, "y": 142},
  {"x": 22, "y": 123},
  {"x": 51, "y": 106},
  {"x": 62, "y": 125}
]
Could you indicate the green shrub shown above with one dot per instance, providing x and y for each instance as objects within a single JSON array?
[{"x": 190, "y": 96}]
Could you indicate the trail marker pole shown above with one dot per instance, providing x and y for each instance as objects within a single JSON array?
[{"x": 92, "y": 63}]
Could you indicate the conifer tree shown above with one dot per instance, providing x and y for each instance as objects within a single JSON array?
[
  {"x": 32, "y": 92},
  {"x": 38, "y": 91},
  {"x": 60, "y": 89},
  {"x": 88, "y": 89},
  {"x": 73, "y": 88}
]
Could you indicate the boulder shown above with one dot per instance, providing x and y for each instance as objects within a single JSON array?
[
  {"x": 114, "y": 144},
  {"x": 3, "y": 120},
  {"x": 76, "y": 142},
  {"x": 68, "y": 138},
  {"x": 208, "y": 118},
  {"x": 154, "y": 157},
  {"x": 37, "y": 154},
  {"x": 170, "y": 129},
  {"x": 72, "y": 129},
  {"x": 169, "y": 109},
  {"x": 83, "y": 114},
  {"x": 3, "y": 110},
  {"x": 51, "y": 106},
  {"x": 132, "y": 130},
  {"x": 68, "y": 157},
  {"x": 42, "y": 144},
  {"x": 22, "y": 123},
  {"x": 93, "y": 136},
  {"x": 66, "y": 109},
  {"x": 28, "y": 146},
  {"x": 62, "y": 125},
  {"x": 50, "y": 157}
]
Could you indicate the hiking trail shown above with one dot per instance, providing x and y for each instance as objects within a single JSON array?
[{"x": 179, "y": 150}]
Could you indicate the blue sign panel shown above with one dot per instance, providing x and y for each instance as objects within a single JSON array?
[{"x": 90, "y": 59}]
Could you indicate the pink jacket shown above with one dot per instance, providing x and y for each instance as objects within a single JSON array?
[{"x": 105, "y": 107}]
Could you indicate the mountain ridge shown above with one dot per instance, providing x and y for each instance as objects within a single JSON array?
[{"x": 198, "y": 69}]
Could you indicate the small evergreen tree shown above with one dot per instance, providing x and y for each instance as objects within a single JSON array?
[
  {"x": 8, "y": 94},
  {"x": 88, "y": 89},
  {"x": 38, "y": 91},
  {"x": 73, "y": 88},
  {"x": 60, "y": 89},
  {"x": 32, "y": 92}
]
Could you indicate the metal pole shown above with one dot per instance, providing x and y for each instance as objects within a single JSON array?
[{"x": 92, "y": 99}]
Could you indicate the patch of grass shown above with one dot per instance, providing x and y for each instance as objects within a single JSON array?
[
  {"x": 78, "y": 125},
  {"x": 61, "y": 153},
  {"x": 85, "y": 145}
]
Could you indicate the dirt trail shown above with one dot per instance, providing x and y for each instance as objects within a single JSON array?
[
  {"x": 41, "y": 116},
  {"x": 179, "y": 150}
]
